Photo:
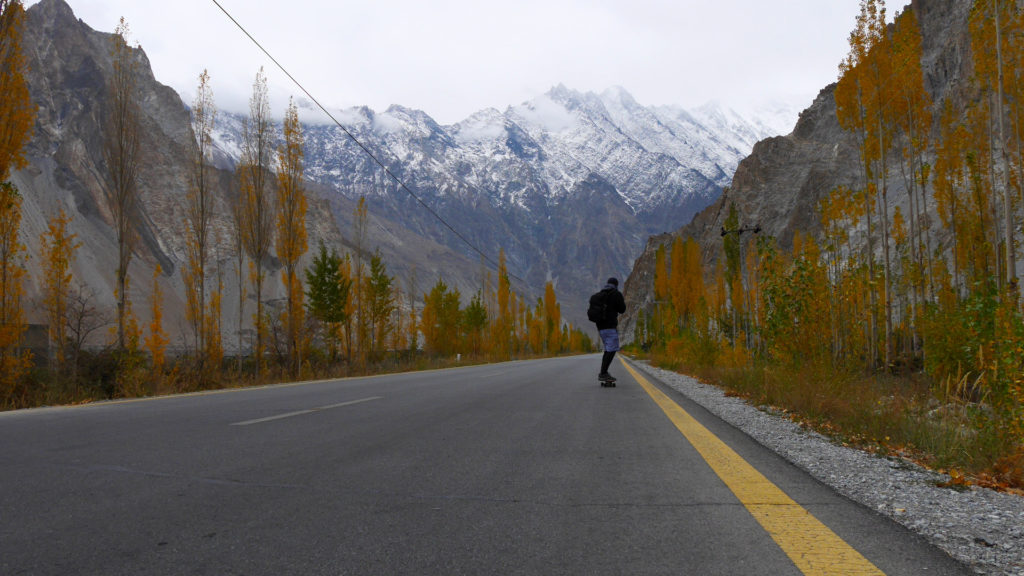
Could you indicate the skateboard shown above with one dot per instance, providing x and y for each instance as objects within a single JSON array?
[{"x": 607, "y": 383}]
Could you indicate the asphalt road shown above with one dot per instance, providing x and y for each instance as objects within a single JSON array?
[{"x": 515, "y": 468}]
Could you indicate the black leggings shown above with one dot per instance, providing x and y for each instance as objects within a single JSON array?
[{"x": 606, "y": 361}]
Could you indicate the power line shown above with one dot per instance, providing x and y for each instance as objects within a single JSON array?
[{"x": 361, "y": 146}]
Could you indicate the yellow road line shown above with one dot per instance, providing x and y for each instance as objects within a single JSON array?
[{"x": 812, "y": 546}]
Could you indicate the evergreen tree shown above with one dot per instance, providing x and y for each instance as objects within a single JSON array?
[{"x": 327, "y": 294}]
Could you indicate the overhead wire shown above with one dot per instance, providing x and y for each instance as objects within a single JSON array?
[{"x": 364, "y": 148}]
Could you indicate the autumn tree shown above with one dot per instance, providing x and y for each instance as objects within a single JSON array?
[
  {"x": 441, "y": 319},
  {"x": 121, "y": 152},
  {"x": 257, "y": 201},
  {"x": 156, "y": 341},
  {"x": 474, "y": 321},
  {"x": 399, "y": 337},
  {"x": 360, "y": 317},
  {"x": 380, "y": 304},
  {"x": 504, "y": 324},
  {"x": 238, "y": 221},
  {"x": 552, "y": 320},
  {"x": 14, "y": 362},
  {"x": 200, "y": 213},
  {"x": 17, "y": 113},
  {"x": 291, "y": 229},
  {"x": 913, "y": 116},
  {"x": 348, "y": 324},
  {"x": 731, "y": 239},
  {"x": 858, "y": 96},
  {"x": 413, "y": 324},
  {"x": 58, "y": 248},
  {"x": 987, "y": 22}
]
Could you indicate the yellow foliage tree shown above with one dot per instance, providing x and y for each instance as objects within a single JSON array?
[
  {"x": 291, "y": 231},
  {"x": 256, "y": 208},
  {"x": 14, "y": 362},
  {"x": 156, "y": 342},
  {"x": 552, "y": 320},
  {"x": 58, "y": 249},
  {"x": 17, "y": 113}
]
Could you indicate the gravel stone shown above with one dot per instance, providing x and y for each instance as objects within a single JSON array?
[{"x": 980, "y": 527}]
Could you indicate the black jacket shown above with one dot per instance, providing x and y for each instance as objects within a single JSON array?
[{"x": 616, "y": 305}]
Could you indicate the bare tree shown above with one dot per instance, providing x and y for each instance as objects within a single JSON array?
[
  {"x": 83, "y": 319},
  {"x": 256, "y": 196},
  {"x": 200, "y": 210},
  {"x": 121, "y": 151}
]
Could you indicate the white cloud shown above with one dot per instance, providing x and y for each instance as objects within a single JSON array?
[
  {"x": 547, "y": 114},
  {"x": 451, "y": 58}
]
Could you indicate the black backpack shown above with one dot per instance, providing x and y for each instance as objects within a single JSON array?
[{"x": 598, "y": 308}]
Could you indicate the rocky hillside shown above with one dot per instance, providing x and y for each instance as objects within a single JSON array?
[
  {"x": 69, "y": 67},
  {"x": 779, "y": 185}
]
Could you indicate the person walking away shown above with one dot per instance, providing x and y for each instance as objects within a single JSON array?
[{"x": 608, "y": 325}]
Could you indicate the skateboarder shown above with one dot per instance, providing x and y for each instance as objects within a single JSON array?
[{"x": 607, "y": 326}]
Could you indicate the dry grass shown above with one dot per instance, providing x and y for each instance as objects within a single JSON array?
[{"x": 888, "y": 415}]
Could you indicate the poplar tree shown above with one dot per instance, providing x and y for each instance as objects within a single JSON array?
[
  {"x": 200, "y": 213},
  {"x": 238, "y": 220},
  {"x": 122, "y": 150},
  {"x": 156, "y": 341},
  {"x": 987, "y": 20},
  {"x": 857, "y": 97},
  {"x": 503, "y": 329},
  {"x": 14, "y": 362},
  {"x": 256, "y": 197},
  {"x": 912, "y": 105},
  {"x": 441, "y": 319},
  {"x": 362, "y": 331},
  {"x": 474, "y": 321},
  {"x": 17, "y": 113},
  {"x": 380, "y": 304},
  {"x": 291, "y": 230},
  {"x": 552, "y": 320},
  {"x": 58, "y": 248}
]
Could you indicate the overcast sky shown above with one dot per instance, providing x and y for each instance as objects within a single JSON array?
[{"x": 451, "y": 58}]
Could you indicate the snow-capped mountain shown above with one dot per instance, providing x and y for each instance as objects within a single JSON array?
[{"x": 568, "y": 184}]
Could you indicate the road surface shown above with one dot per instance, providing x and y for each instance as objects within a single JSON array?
[{"x": 515, "y": 468}]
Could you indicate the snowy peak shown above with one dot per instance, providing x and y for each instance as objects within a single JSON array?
[{"x": 567, "y": 183}]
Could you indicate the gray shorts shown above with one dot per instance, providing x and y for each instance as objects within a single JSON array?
[{"x": 610, "y": 338}]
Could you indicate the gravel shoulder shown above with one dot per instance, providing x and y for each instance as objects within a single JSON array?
[{"x": 980, "y": 527}]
